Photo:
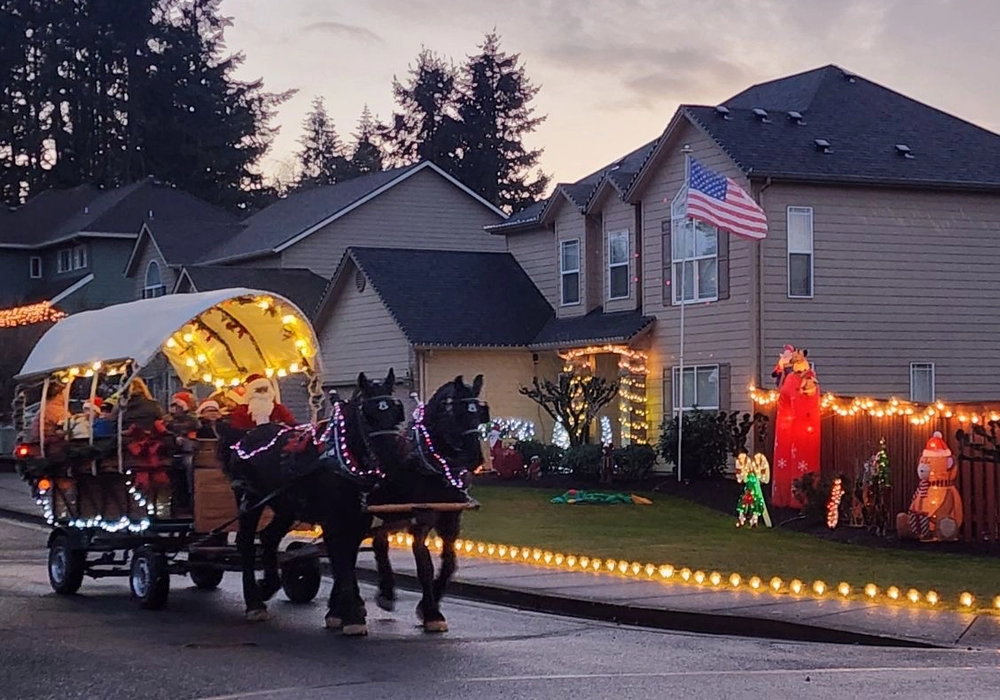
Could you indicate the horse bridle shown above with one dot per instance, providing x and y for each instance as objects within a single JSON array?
[
  {"x": 475, "y": 405},
  {"x": 386, "y": 403}
]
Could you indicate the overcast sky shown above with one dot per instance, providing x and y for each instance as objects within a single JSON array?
[{"x": 612, "y": 72}]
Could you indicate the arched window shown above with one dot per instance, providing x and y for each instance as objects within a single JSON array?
[{"x": 154, "y": 283}]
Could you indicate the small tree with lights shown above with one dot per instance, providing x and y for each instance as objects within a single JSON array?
[{"x": 572, "y": 400}]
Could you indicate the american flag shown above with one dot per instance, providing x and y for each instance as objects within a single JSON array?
[{"x": 719, "y": 201}]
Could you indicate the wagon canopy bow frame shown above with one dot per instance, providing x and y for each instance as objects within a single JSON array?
[{"x": 269, "y": 335}]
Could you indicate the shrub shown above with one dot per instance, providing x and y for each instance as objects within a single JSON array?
[
  {"x": 635, "y": 461},
  {"x": 709, "y": 439},
  {"x": 584, "y": 461},
  {"x": 551, "y": 455}
]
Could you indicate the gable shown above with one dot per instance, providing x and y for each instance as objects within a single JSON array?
[
  {"x": 356, "y": 331},
  {"x": 423, "y": 212}
]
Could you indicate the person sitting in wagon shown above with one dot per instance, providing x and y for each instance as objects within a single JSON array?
[
  {"x": 262, "y": 406},
  {"x": 208, "y": 415},
  {"x": 183, "y": 425},
  {"x": 83, "y": 424},
  {"x": 54, "y": 414}
]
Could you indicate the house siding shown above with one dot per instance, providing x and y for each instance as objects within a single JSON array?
[
  {"x": 148, "y": 253},
  {"x": 503, "y": 372},
  {"x": 424, "y": 211},
  {"x": 359, "y": 335},
  {"x": 536, "y": 252},
  {"x": 570, "y": 224},
  {"x": 719, "y": 332},
  {"x": 15, "y": 275},
  {"x": 899, "y": 277}
]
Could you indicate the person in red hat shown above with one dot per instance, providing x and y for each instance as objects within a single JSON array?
[{"x": 261, "y": 406}]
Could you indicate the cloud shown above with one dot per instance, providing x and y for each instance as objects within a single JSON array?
[{"x": 339, "y": 29}]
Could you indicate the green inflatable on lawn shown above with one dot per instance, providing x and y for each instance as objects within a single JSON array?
[{"x": 574, "y": 497}]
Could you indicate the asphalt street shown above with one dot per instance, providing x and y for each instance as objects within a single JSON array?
[{"x": 98, "y": 644}]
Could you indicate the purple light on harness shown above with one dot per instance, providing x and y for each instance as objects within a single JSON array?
[{"x": 421, "y": 432}]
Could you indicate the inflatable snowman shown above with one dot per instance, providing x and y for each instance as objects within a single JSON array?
[{"x": 936, "y": 509}]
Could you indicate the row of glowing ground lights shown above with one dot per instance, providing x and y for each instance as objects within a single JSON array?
[{"x": 712, "y": 580}]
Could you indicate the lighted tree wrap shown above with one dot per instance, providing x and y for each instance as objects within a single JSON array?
[
  {"x": 796, "y": 428},
  {"x": 573, "y": 401}
]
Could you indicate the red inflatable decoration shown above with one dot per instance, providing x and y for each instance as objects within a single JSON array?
[{"x": 796, "y": 426}]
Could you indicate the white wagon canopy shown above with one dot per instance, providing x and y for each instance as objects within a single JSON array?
[{"x": 217, "y": 338}]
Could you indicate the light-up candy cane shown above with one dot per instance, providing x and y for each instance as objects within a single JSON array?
[{"x": 752, "y": 472}]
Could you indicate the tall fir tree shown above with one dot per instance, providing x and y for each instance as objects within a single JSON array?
[
  {"x": 321, "y": 160},
  {"x": 426, "y": 125},
  {"x": 496, "y": 113},
  {"x": 107, "y": 92},
  {"x": 366, "y": 154}
]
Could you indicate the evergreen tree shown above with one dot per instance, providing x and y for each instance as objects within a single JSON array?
[
  {"x": 366, "y": 156},
  {"x": 105, "y": 92},
  {"x": 321, "y": 160},
  {"x": 495, "y": 112},
  {"x": 426, "y": 127}
]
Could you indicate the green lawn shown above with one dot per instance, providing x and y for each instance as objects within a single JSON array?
[{"x": 684, "y": 534}]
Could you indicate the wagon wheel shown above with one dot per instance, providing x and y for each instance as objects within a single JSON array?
[
  {"x": 300, "y": 578},
  {"x": 149, "y": 578},
  {"x": 206, "y": 578},
  {"x": 66, "y": 566}
]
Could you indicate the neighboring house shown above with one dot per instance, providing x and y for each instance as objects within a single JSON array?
[
  {"x": 68, "y": 247},
  {"x": 884, "y": 219},
  {"x": 418, "y": 206}
]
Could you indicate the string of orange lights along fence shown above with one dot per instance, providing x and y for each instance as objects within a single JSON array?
[
  {"x": 713, "y": 580},
  {"x": 42, "y": 312},
  {"x": 917, "y": 414}
]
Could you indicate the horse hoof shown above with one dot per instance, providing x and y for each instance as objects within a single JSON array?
[
  {"x": 357, "y": 630},
  {"x": 385, "y": 602},
  {"x": 259, "y": 615},
  {"x": 436, "y": 626},
  {"x": 333, "y": 622}
]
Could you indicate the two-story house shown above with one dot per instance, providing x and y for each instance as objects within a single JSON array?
[
  {"x": 884, "y": 219},
  {"x": 69, "y": 247}
]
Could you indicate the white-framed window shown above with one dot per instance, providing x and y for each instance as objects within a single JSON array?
[
  {"x": 64, "y": 260},
  {"x": 154, "y": 286},
  {"x": 699, "y": 388},
  {"x": 35, "y": 267},
  {"x": 922, "y": 388},
  {"x": 618, "y": 265},
  {"x": 569, "y": 271},
  {"x": 80, "y": 257},
  {"x": 694, "y": 255},
  {"x": 800, "y": 252}
]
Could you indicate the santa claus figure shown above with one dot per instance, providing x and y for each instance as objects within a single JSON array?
[
  {"x": 796, "y": 429},
  {"x": 261, "y": 406}
]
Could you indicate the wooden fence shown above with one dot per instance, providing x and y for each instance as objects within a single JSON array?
[{"x": 848, "y": 441}]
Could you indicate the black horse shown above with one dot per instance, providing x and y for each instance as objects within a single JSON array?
[
  {"x": 442, "y": 448},
  {"x": 314, "y": 474}
]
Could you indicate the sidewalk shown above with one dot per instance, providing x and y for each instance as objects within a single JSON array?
[{"x": 667, "y": 605}]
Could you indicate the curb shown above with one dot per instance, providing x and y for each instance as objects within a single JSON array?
[
  {"x": 629, "y": 615},
  {"x": 656, "y": 618}
]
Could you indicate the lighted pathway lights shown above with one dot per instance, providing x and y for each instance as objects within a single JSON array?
[{"x": 715, "y": 580}]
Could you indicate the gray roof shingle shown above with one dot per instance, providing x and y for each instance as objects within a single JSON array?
[
  {"x": 621, "y": 172},
  {"x": 453, "y": 298},
  {"x": 55, "y": 215},
  {"x": 594, "y": 327},
  {"x": 303, "y": 288},
  {"x": 863, "y": 122},
  {"x": 288, "y": 217},
  {"x": 185, "y": 242}
]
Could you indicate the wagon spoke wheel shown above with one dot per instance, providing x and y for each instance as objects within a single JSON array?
[
  {"x": 149, "y": 578},
  {"x": 66, "y": 566},
  {"x": 300, "y": 578}
]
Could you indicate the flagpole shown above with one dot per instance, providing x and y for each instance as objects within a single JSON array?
[{"x": 680, "y": 355}]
